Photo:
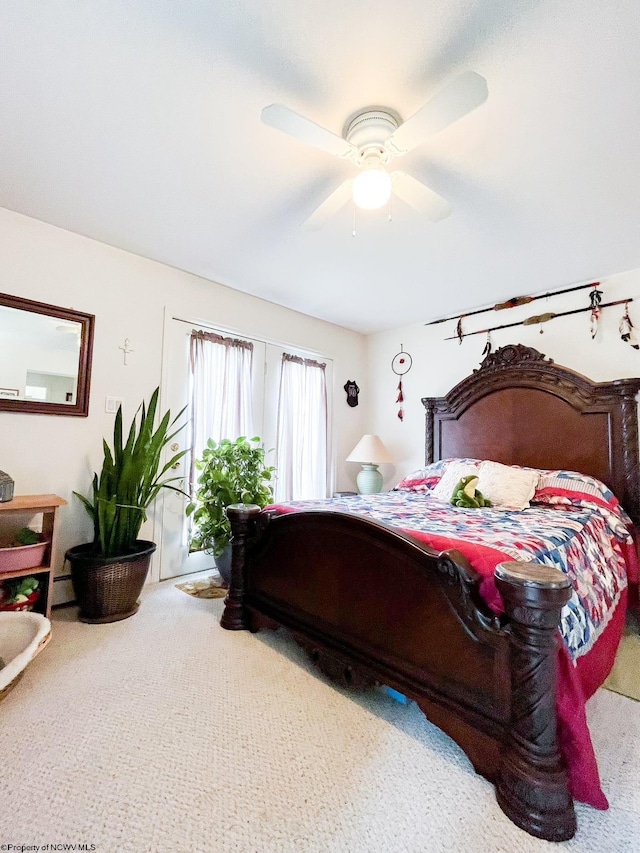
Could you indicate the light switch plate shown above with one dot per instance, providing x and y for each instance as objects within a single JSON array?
[{"x": 111, "y": 404}]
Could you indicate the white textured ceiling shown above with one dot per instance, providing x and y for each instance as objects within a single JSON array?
[{"x": 137, "y": 123}]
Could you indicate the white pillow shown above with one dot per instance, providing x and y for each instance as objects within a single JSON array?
[
  {"x": 507, "y": 487},
  {"x": 454, "y": 472}
]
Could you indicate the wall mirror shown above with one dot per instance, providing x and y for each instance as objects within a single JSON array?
[{"x": 45, "y": 358}]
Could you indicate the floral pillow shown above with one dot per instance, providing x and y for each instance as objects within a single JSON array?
[{"x": 424, "y": 479}]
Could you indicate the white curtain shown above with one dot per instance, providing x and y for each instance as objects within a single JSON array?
[
  {"x": 220, "y": 392},
  {"x": 302, "y": 430}
]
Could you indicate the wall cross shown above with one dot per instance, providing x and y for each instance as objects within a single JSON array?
[{"x": 126, "y": 349}]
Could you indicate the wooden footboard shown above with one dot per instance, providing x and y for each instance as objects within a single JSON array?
[{"x": 372, "y": 605}]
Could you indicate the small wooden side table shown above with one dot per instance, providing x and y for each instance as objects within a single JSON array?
[{"x": 47, "y": 505}]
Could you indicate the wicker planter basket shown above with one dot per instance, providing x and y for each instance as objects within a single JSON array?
[{"x": 107, "y": 588}]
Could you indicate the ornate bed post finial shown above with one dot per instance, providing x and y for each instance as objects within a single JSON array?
[
  {"x": 532, "y": 785},
  {"x": 241, "y": 517}
]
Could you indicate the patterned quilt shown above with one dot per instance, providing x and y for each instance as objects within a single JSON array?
[{"x": 584, "y": 542}]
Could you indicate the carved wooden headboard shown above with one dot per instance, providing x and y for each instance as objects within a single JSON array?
[{"x": 520, "y": 408}]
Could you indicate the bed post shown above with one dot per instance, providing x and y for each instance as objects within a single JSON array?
[
  {"x": 241, "y": 517},
  {"x": 430, "y": 405},
  {"x": 532, "y": 786}
]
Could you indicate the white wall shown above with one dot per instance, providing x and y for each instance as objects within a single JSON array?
[
  {"x": 128, "y": 294},
  {"x": 438, "y": 364}
]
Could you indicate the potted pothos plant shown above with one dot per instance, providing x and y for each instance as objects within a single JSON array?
[
  {"x": 231, "y": 472},
  {"x": 108, "y": 574}
]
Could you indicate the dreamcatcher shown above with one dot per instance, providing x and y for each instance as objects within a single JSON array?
[{"x": 401, "y": 364}]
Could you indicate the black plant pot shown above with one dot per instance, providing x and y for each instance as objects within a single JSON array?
[
  {"x": 107, "y": 588},
  {"x": 223, "y": 564}
]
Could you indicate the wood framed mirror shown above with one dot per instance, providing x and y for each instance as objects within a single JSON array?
[{"x": 45, "y": 358}]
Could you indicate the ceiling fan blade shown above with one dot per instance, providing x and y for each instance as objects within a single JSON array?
[
  {"x": 420, "y": 197},
  {"x": 329, "y": 207},
  {"x": 287, "y": 121},
  {"x": 455, "y": 100}
]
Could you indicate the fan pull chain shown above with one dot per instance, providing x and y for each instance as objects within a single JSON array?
[
  {"x": 391, "y": 208},
  {"x": 354, "y": 219}
]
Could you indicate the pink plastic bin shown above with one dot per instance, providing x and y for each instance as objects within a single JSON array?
[{"x": 22, "y": 557}]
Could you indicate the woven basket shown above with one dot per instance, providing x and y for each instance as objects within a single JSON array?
[
  {"x": 22, "y": 637},
  {"x": 4, "y": 691},
  {"x": 107, "y": 588}
]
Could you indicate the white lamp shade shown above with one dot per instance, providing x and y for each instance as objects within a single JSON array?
[
  {"x": 370, "y": 451},
  {"x": 371, "y": 189}
]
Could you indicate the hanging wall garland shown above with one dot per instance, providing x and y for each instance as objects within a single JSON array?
[{"x": 400, "y": 364}]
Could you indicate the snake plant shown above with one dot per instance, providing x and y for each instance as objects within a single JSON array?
[{"x": 131, "y": 477}]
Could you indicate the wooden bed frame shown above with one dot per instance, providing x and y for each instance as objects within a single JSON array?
[{"x": 373, "y": 606}]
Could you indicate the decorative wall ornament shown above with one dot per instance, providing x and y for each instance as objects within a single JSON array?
[
  {"x": 400, "y": 364},
  {"x": 626, "y": 328},
  {"x": 537, "y": 318},
  {"x": 510, "y": 303},
  {"x": 595, "y": 300},
  {"x": 126, "y": 349},
  {"x": 352, "y": 392}
]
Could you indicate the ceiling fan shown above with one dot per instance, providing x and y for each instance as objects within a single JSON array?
[{"x": 373, "y": 138}]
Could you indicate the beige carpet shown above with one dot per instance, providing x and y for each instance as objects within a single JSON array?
[{"x": 164, "y": 732}]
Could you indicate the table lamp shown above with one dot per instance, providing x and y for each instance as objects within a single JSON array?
[{"x": 370, "y": 452}]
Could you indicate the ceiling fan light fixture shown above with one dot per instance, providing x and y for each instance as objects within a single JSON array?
[
  {"x": 372, "y": 189},
  {"x": 372, "y": 138}
]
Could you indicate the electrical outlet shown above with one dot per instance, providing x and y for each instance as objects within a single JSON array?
[{"x": 111, "y": 404}]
